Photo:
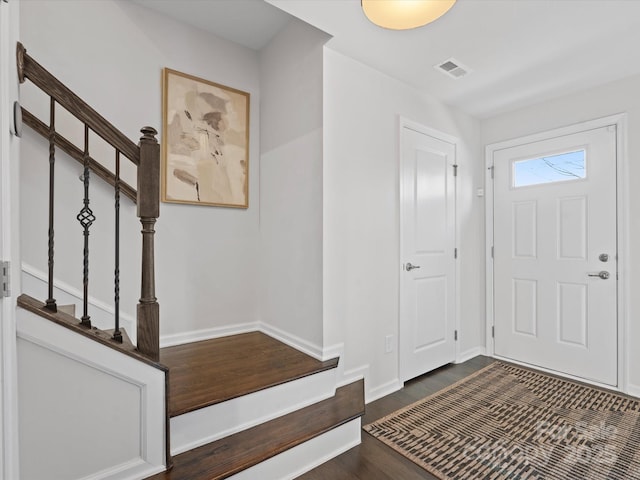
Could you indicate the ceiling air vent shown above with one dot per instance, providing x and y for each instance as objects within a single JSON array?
[{"x": 453, "y": 68}]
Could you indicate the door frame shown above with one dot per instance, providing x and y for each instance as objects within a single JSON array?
[
  {"x": 403, "y": 123},
  {"x": 622, "y": 221},
  {"x": 9, "y": 238}
]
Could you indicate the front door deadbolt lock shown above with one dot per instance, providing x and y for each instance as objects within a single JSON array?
[{"x": 604, "y": 257}]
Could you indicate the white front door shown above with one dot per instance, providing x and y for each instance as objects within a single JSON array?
[
  {"x": 427, "y": 286},
  {"x": 555, "y": 258}
]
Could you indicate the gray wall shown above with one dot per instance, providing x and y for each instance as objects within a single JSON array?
[
  {"x": 112, "y": 54},
  {"x": 291, "y": 183}
]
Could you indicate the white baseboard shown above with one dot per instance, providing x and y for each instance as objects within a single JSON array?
[
  {"x": 217, "y": 332},
  {"x": 34, "y": 282},
  {"x": 206, "y": 334},
  {"x": 298, "y": 343},
  {"x": 344, "y": 377},
  {"x": 383, "y": 390},
  {"x": 353, "y": 375},
  {"x": 334, "y": 351},
  {"x": 633, "y": 390},
  {"x": 471, "y": 353}
]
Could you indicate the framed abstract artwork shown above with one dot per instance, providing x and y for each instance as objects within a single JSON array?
[{"x": 205, "y": 142}]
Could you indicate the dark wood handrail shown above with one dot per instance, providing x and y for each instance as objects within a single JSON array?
[
  {"x": 146, "y": 157},
  {"x": 29, "y": 68},
  {"x": 74, "y": 152}
]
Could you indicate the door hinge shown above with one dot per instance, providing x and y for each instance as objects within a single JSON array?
[
  {"x": 491, "y": 170},
  {"x": 493, "y": 331},
  {"x": 455, "y": 335},
  {"x": 491, "y": 251},
  {"x": 455, "y": 253},
  {"x": 5, "y": 283},
  {"x": 455, "y": 170}
]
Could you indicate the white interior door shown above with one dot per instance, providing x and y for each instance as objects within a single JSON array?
[
  {"x": 427, "y": 298},
  {"x": 555, "y": 259}
]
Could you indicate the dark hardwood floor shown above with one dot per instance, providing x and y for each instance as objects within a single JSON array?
[{"x": 373, "y": 460}]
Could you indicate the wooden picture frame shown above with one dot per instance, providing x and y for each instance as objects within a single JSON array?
[{"x": 205, "y": 142}]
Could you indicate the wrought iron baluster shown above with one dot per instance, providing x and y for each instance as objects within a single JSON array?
[
  {"x": 117, "y": 334},
  {"x": 51, "y": 302},
  {"x": 86, "y": 219}
]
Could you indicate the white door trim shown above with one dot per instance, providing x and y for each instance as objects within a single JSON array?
[
  {"x": 9, "y": 248},
  {"x": 620, "y": 121},
  {"x": 404, "y": 122}
]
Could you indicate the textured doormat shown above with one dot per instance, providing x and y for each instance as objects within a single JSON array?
[{"x": 506, "y": 422}]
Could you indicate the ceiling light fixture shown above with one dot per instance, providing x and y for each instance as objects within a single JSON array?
[{"x": 405, "y": 14}]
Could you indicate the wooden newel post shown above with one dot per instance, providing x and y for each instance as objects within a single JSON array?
[{"x": 148, "y": 212}]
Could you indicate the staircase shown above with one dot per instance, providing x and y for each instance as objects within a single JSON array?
[
  {"x": 249, "y": 406},
  {"x": 244, "y": 407}
]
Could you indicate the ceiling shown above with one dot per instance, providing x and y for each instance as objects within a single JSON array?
[
  {"x": 251, "y": 23},
  {"x": 520, "y": 52}
]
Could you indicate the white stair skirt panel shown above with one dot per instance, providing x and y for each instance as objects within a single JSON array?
[
  {"x": 208, "y": 424},
  {"x": 42, "y": 339},
  {"x": 306, "y": 456}
]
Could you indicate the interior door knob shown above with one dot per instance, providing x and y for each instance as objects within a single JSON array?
[
  {"x": 603, "y": 275},
  {"x": 410, "y": 267}
]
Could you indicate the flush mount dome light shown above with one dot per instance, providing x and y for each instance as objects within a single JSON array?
[{"x": 405, "y": 14}]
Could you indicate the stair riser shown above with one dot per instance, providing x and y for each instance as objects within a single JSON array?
[
  {"x": 208, "y": 424},
  {"x": 306, "y": 456}
]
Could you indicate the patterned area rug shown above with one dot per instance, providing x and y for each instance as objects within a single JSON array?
[{"x": 506, "y": 422}]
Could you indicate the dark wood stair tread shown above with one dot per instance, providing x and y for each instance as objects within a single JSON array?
[
  {"x": 232, "y": 454},
  {"x": 213, "y": 371}
]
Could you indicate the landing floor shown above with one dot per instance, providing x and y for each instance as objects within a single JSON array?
[{"x": 212, "y": 371}]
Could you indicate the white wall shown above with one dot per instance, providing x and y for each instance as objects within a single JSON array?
[
  {"x": 291, "y": 184},
  {"x": 9, "y": 238},
  {"x": 616, "y": 97},
  {"x": 111, "y": 54},
  {"x": 361, "y": 215}
]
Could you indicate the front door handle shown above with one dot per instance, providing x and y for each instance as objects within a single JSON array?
[
  {"x": 410, "y": 267},
  {"x": 603, "y": 275}
]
